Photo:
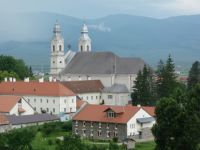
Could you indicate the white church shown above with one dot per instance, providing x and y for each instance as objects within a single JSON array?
[{"x": 85, "y": 64}]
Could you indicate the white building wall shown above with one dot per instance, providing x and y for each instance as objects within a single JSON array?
[
  {"x": 91, "y": 98},
  {"x": 50, "y": 104},
  {"x": 120, "y": 99},
  {"x": 132, "y": 126}
]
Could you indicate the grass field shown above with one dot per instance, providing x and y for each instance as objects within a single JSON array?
[{"x": 145, "y": 146}]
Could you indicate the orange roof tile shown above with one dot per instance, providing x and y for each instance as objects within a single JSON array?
[
  {"x": 150, "y": 110},
  {"x": 3, "y": 120},
  {"x": 35, "y": 88},
  {"x": 8, "y": 102},
  {"x": 97, "y": 113},
  {"x": 79, "y": 103}
]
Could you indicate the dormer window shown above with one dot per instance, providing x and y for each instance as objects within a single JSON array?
[{"x": 110, "y": 114}]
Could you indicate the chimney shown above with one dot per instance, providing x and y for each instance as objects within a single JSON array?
[
  {"x": 50, "y": 79},
  {"x": 14, "y": 79},
  {"x": 6, "y": 79},
  {"x": 41, "y": 80},
  {"x": 10, "y": 79},
  {"x": 138, "y": 105},
  {"x": 26, "y": 79}
]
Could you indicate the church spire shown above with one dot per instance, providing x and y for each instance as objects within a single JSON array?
[{"x": 84, "y": 41}]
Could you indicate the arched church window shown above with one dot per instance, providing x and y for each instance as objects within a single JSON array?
[
  {"x": 53, "y": 48},
  {"x": 60, "y": 48},
  {"x": 53, "y": 62},
  {"x": 81, "y": 48},
  {"x": 88, "y": 47},
  {"x": 61, "y": 62}
]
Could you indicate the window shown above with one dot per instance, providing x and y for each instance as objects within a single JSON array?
[
  {"x": 35, "y": 108},
  {"x": 65, "y": 101},
  {"x": 83, "y": 123},
  {"x": 91, "y": 97},
  {"x": 47, "y": 101},
  {"x": 54, "y": 110},
  {"x": 54, "y": 101},
  {"x": 72, "y": 100},
  {"x": 99, "y": 124},
  {"x": 47, "y": 109},
  {"x": 110, "y": 96},
  {"x": 91, "y": 133},
  {"x": 40, "y": 100},
  {"x": 108, "y": 133},
  {"x": 60, "y": 62},
  {"x": 70, "y": 109},
  {"x": 53, "y": 62},
  {"x": 96, "y": 97},
  {"x": 60, "y": 48},
  {"x": 34, "y": 100},
  {"x": 99, "y": 133},
  {"x": 115, "y": 134},
  {"x": 64, "y": 109},
  {"x": 116, "y": 126},
  {"x": 76, "y": 131},
  {"x": 99, "y": 97},
  {"x": 53, "y": 48},
  {"x": 81, "y": 48},
  {"x": 110, "y": 114},
  {"x": 88, "y": 47},
  {"x": 84, "y": 131},
  {"x": 91, "y": 124},
  {"x": 87, "y": 97},
  {"x": 76, "y": 123},
  {"x": 107, "y": 126}
]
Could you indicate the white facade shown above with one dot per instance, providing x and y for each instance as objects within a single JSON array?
[
  {"x": 54, "y": 105},
  {"x": 84, "y": 44},
  {"x": 57, "y": 63},
  {"x": 120, "y": 99},
  {"x": 133, "y": 127},
  {"x": 91, "y": 98},
  {"x": 22, "y": 104},
  {"x": 106, "y": 79}
]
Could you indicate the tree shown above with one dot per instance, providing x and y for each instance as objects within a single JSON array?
[
  {"x": 10, "y": 64},
  {"x": 178, "y": 121},
  {"x": 166, "y": 78},
  {"x": 6, "y": 74},
  {"x": 144, "y": 87},
  {"x": 194, "y": 75}
]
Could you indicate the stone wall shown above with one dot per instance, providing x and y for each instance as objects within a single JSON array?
[{"x": 120, "y": 129}]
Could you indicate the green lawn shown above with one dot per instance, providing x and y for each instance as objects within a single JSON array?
[{"x": 145, "y": 146}]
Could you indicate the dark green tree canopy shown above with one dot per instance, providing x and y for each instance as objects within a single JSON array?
[{"x": 194, "y": 75}]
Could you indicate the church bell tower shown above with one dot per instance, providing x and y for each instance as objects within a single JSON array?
[
  {"x": 84, "y": 41},
  {"x": 57, "y": 63}
]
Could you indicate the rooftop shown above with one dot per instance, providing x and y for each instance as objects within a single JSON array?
[
  {"x": 35, "y": 88},
  {"x": 8, "y": 102},
  {"x": 116, "y": 88},
  {"x": 84, "y": 86}
]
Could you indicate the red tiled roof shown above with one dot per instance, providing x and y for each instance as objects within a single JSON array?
[
  {"x": 149, "y": 110},
  {"x": 35, "y": 88},
  {"x": 84, "y": 86},
  {"x": 97, "y": 113},
  {"x": 8, "y": 102},
  {"x": 3, "y": 120},
  {"x": 79, "y": 103}
]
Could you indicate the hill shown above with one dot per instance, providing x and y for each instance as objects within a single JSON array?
[{"x": 28, "y": 36}]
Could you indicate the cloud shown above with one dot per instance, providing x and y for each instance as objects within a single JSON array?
[{"x": 101, "y": 27}]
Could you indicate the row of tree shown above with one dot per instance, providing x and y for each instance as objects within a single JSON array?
[
  {"x": 11, "y": 67},
  {"x": 151, "y": 86}
]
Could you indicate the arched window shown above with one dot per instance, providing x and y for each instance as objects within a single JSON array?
[
  {"x": 60, "y": 48},
  {"x": 60, "y": 62},
  {"x": 53, "y": 48},
  {"x": 81, "y": 48},
  {"x": 88, "y": 47}
]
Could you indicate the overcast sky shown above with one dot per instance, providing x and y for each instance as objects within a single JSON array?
[{"x": 100, "y": 8}]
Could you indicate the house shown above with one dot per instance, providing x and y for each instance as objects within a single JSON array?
[
  {"x": 44, "y": 96},
  {"x": 106, "y": 122},
  {"x": 4, "y": 123},
  {"x": 87, "y": 90},
  {"x": 117, "y": 94},
  {"x": 88, "y": 64},
  {"x": 30, "y": 120},
  {"x": 15, "y": 105}
]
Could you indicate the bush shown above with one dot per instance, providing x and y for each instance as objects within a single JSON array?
[
  {"x": 50, "y": 142},
  {"x": 115, "y": 139}
]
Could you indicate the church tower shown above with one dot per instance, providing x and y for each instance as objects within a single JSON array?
[
  {"x": 57, "y": 63},
  {"x": 84, "y": 41}
]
